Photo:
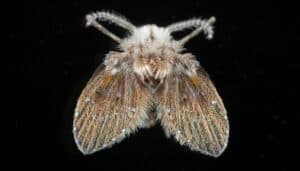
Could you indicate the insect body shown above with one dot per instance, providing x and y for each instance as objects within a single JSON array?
[{"x": 150, "y": 80}]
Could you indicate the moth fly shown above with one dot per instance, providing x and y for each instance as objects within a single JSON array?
[{"x": 149, "y": 80}]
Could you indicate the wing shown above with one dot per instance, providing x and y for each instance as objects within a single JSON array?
[
  {"x": 192, "y": 111},
  {"x": 109, "y": 108}
]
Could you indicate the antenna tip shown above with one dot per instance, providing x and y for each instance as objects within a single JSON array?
[
  {"x": 90, "y": 18},
  {"x": 212, "y": 19}
]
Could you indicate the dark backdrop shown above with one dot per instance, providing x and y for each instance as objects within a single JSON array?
[{"x": 248, "y": 60}]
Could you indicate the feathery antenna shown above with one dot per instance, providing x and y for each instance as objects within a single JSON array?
[
  {"x": 105, "y": 16},
  {"x": 199, "y": 24}
]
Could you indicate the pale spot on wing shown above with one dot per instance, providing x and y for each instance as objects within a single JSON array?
[
  {"x": 178, "y": 134},
  {"x": 168, "y": 110},
  {"x": 94, "y": 118},
  {"x": 87, "y": 100},
  {"x": 225, "y": 117},
  {"x": 132, "y": 109}
]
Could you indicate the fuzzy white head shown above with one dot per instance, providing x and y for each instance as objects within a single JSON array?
[{"x": 151, "y": 37}]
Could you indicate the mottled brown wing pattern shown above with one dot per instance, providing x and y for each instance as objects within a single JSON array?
[
  {"x": 109, "y": 108},
  {"x": 191, "y": 110}
]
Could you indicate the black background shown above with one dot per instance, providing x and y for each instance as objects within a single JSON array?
[{"x": 249, "y": 61}]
